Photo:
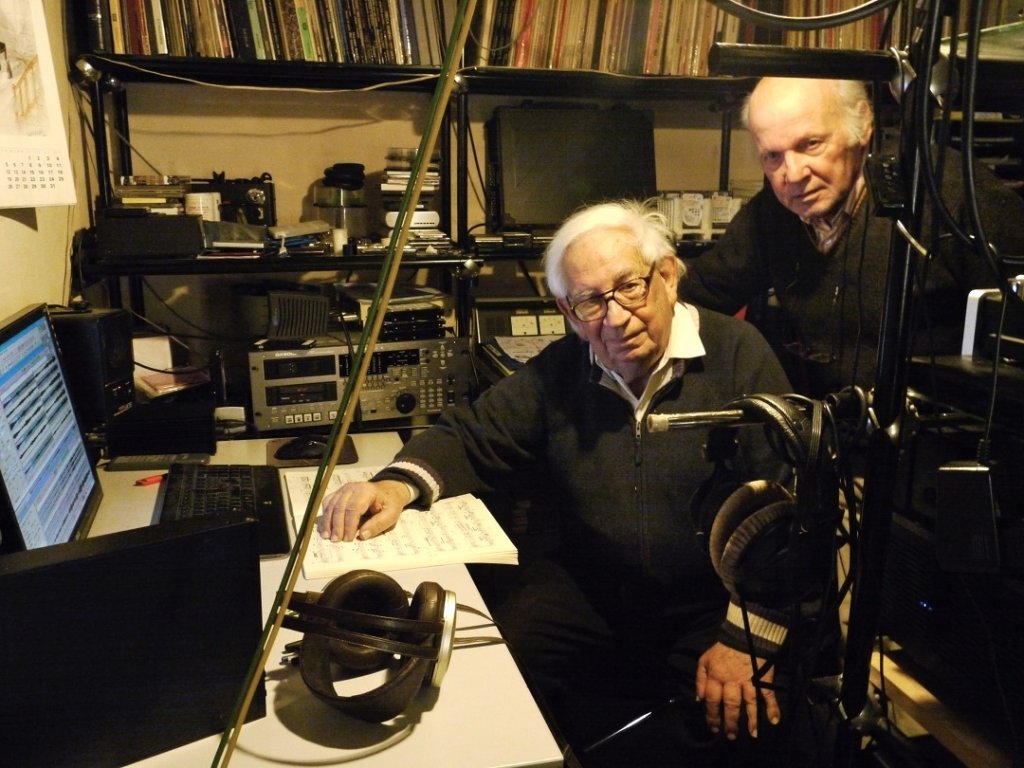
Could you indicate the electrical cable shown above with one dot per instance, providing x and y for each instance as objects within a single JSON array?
[
  {"x": 778, "y": 21},
  {"x": 981, "y": 243},
  {"x": 922, "y": 129},
  {"x": 163, "y": 75}
]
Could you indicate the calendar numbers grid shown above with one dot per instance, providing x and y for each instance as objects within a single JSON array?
[{"x": 33, "y": 177}]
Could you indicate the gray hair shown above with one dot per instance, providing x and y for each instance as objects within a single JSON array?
[
  {"x": 851, "y": 97},
  {"x": 647, "y": 225}
]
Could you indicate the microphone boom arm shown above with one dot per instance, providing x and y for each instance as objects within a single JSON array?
[{"x": 663, "y": 422}]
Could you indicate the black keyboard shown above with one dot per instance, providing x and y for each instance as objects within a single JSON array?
[{"x": 192, "y": 490}]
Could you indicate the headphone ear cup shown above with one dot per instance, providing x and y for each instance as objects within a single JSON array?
[
  {"x": 323, "y": 660},
  {"x": 736, "y": 508},
  {"x": 364, "y": 591},
  {"x": 705, "y": 506},
  {"x": 753, "y": 563},
  {"x": 432, "y": 603}
]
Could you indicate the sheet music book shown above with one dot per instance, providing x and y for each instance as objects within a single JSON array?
[{"x": 459, "y": 529}]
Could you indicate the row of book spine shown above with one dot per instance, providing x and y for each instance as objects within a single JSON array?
[
  {"x": 865, "y": 35},
  {"x": 373, "y": 32},
  {"x": 879, "y": 30},
  {"x": 642, "y": 37},
  {"x": 666, "y": 37}
]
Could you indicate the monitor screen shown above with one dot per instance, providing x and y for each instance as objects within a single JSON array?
[
  {"x": 545, "y": 162},
  {"x": 50, "y": 490}
]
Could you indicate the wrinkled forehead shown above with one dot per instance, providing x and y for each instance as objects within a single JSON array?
[
  {"x": 780, "y": 116},
  {"x": 605, "y": 244},
  {"x": 600, "y": 258}
]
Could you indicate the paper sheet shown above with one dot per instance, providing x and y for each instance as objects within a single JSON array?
[{"x": 459, "y": 529}]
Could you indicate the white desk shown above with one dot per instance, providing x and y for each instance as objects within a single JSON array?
[{"x": 483, "y": 714}]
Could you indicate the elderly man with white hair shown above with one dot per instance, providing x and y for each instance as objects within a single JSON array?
[{"x": 627, "y": 611}]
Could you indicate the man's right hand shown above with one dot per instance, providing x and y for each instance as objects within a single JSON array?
[{"x": 362, "y": 510}]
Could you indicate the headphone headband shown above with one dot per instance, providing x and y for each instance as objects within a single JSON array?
[
  {"x": 361, "y": 639},
  {"x": 414, "y": 644},
  {"x": 302, "y": 606}
]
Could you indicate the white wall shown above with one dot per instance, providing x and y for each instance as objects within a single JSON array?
[
  {"x": 35, "y": 242},
  {"x": 294, "y": 136}
]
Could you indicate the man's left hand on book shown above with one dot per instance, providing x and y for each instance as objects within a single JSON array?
[{"x": 362, "y": 510}]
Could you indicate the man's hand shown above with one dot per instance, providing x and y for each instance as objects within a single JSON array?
[
  {"x": 725, "y": 684},
  {"x": 362, "y": 510}
]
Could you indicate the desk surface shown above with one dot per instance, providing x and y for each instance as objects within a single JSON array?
[{"x": 482, "y": 715}]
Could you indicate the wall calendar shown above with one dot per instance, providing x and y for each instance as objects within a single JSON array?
[{"x": 35, "y": 166}]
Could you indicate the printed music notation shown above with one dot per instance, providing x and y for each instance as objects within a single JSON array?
[{"x": 459, "y": 529}]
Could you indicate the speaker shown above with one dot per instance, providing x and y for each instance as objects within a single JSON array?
[
  {"x": 281, "y": 313},
  {"x": 96, "y": 348},
  {"x": 363, "y": 622}
]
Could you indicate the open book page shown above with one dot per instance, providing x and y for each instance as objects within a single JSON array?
[{"x": 454, "y": 530}]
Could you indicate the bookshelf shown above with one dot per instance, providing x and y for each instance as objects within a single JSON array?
[
  {"x": 326, "y": 31},
  {"x": 563, "y": 47},
  {"x": 92, "y": 49}
]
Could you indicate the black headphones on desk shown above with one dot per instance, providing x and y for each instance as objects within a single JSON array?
[{"x": 363, "y": 622}]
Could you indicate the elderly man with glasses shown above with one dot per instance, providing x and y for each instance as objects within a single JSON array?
[{"x": 630, "y": 586}]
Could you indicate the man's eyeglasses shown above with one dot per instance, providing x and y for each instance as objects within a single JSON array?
[{"x": 631, "y": 293}]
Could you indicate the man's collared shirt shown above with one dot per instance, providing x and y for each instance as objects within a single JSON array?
[
  {"x": 826, "y": 233},
  {"x": 684, "y": 343}
]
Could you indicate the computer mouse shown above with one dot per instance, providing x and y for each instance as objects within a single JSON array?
[{"x": 301, "y": 448}]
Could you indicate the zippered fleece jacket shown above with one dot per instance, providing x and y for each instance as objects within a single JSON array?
[{"x": 623, "y": 493}]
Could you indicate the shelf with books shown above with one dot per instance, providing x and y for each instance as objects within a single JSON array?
[
  {"x": 93, "y": 51},
  {"x": 369, "y": 32},
  {"x": 648, "y": 37}
]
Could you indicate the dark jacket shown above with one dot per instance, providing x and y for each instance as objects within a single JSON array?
[
  {"x": 826, "y": 329},
  {"x": 623, "y": 491}
]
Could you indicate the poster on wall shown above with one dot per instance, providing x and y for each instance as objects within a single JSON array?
[{"x": 35, "y": 167}]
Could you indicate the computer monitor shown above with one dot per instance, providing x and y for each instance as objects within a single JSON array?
[
  {"x": 49, "y": 490},
  {"x": 545, "y": 162}
]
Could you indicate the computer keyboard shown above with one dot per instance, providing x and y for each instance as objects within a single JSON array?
[{"x": 192, "y": 490}]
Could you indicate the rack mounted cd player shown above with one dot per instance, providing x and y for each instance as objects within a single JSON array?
[{"x": 302, "y": 387}]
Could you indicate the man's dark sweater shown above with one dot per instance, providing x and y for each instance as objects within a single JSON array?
[
  {"x": 830, "y": 305},
  {"x": 623, "y": 491}
]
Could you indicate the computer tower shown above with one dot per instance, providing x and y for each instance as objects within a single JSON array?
[
  {"x": 96, "y": 348},
  {"x": 956, "y": 633}
]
